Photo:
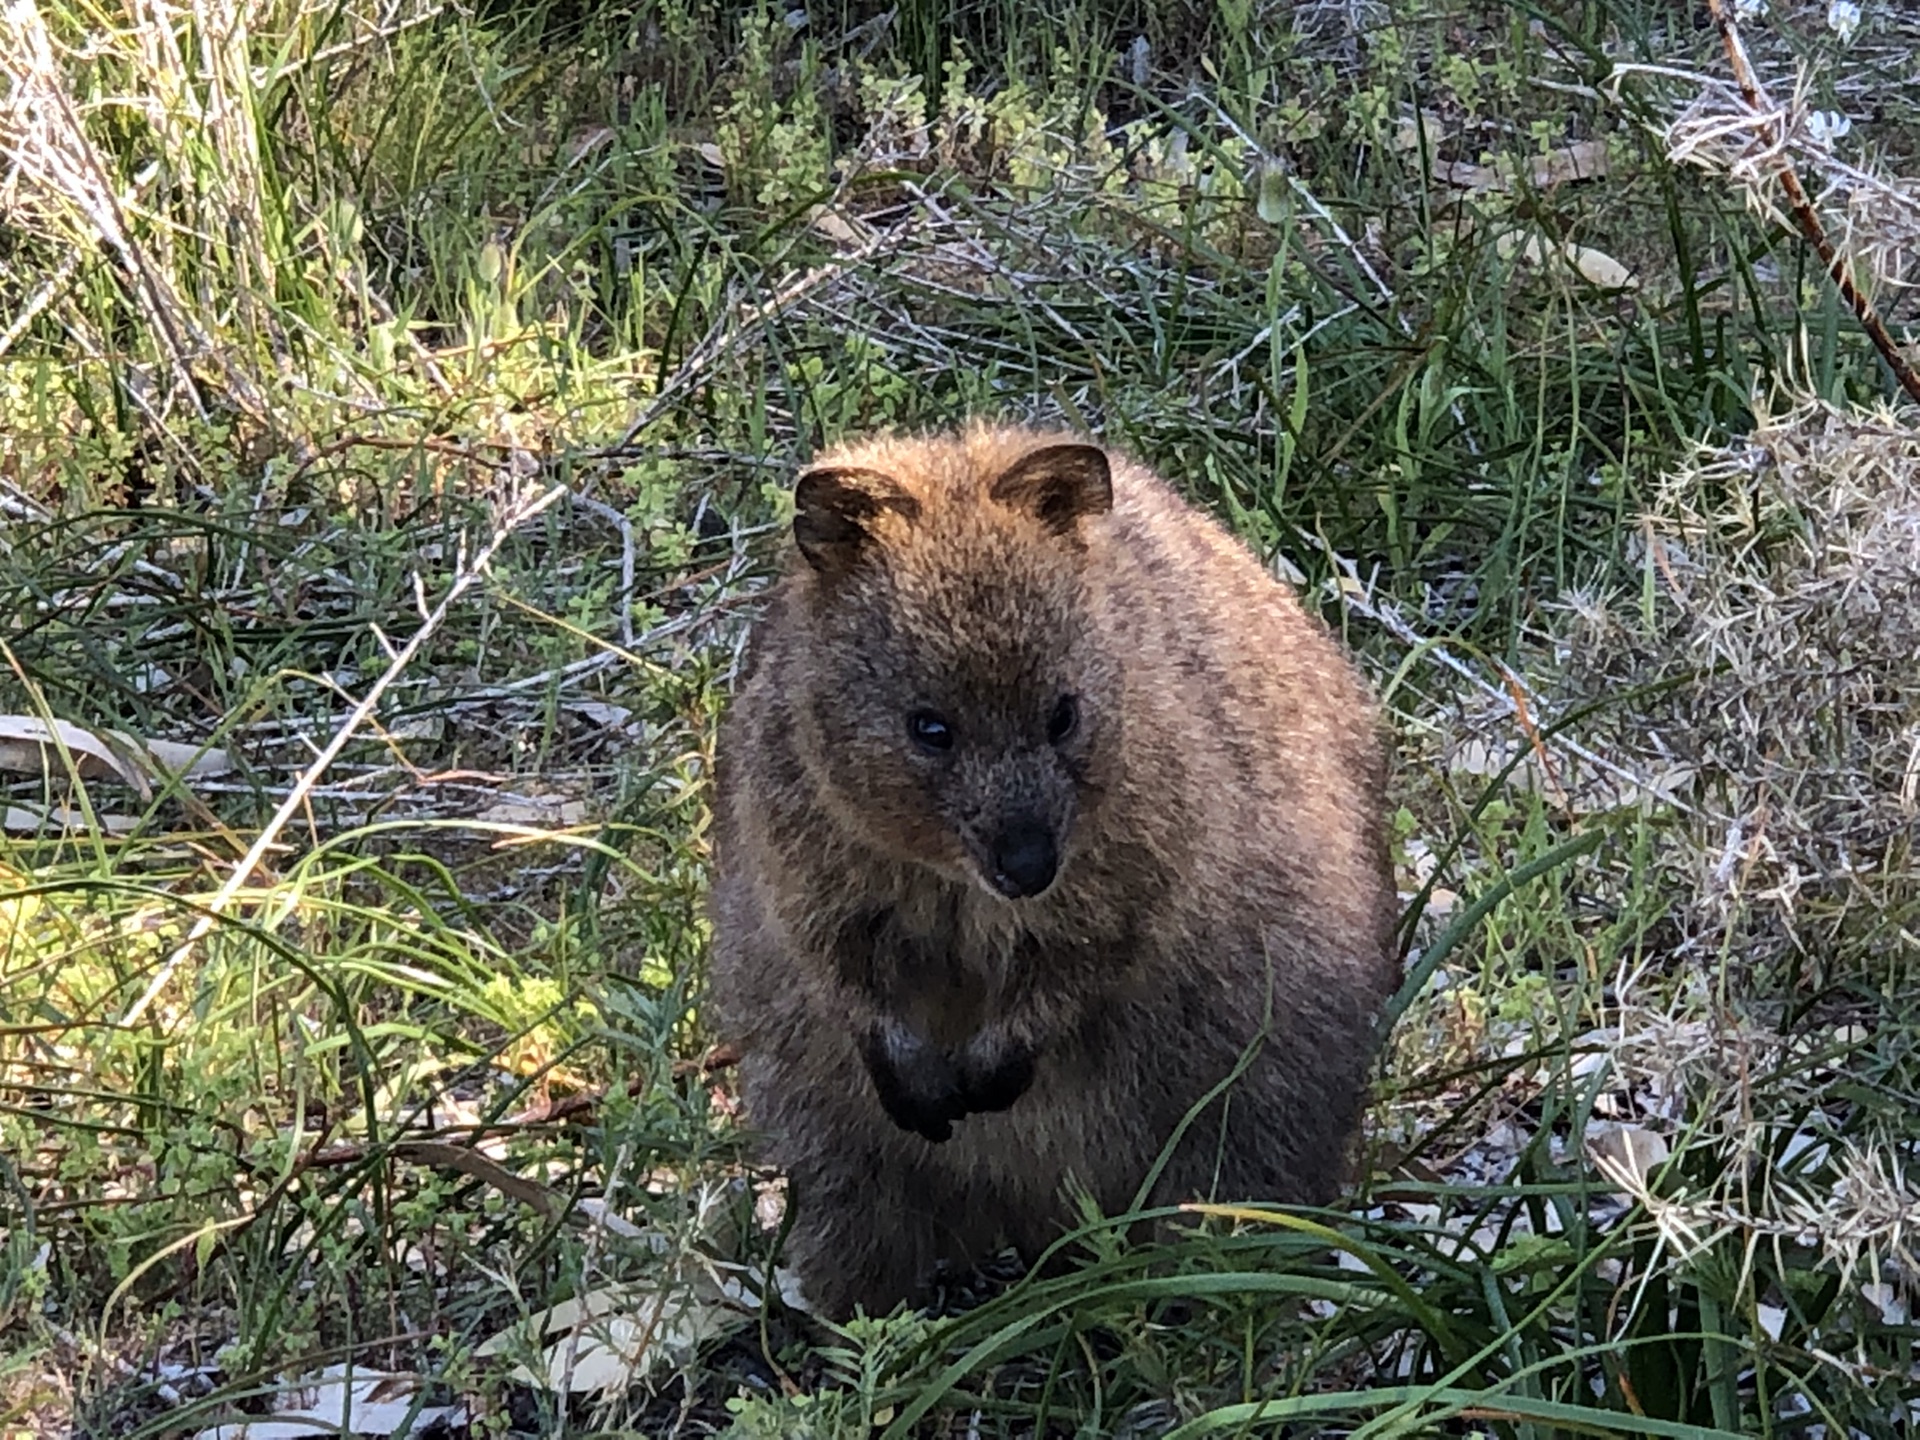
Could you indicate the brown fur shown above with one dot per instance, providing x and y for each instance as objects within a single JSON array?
[{"x": 1221, "y": 882}]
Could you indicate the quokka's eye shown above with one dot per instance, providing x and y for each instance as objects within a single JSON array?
[
  {"x": 1064, "y": 720},
  {"x": 929, "y": 731}
]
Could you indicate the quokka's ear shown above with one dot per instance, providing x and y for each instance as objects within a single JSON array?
[
  {"x": 1058, "y": 484},
  {"x": 835, "y": 515}
]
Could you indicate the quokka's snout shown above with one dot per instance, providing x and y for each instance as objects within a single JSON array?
[
  {"x": 1023, "y": 857},
  {"x": 1042, "y": 810}
]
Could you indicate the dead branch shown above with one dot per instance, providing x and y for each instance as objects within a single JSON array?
[{"x": 1805, "y": 216}]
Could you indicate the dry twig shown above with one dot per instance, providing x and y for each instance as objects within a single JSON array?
[
  {"x": 514, "y": 511},
  {"x": 1768, "y": 120}
]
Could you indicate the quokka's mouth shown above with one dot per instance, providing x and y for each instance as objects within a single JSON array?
[
  {"x": 1008, "y": 888},
  {"x": 995, "y": 882}
]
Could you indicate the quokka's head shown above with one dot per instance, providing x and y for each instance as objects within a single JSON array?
[{"x": 961, "y": 702}]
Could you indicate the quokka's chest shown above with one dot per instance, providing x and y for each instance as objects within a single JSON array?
[
  {"x": 948, "y": 970},
  {"x": 931, "y": 964}
]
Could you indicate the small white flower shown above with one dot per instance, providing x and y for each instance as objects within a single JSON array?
[
  {"x": 1843, "y": 18},
  {"x": 1827, "y": 126}
]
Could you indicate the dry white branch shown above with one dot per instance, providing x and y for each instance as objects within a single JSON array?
[{"x": 514, "y": 508}]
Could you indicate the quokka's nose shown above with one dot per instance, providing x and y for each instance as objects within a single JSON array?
[{"x": 1025, "y": 859}]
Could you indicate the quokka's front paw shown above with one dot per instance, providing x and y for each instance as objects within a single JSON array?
[{"x": 917, "y": 1085}]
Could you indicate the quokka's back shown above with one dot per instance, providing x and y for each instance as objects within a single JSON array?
[{"x": 1042, "y": 809}]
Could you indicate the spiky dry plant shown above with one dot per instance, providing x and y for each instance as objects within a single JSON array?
[
  {"x": 1769, "y": 675},
  {"x": 1876, "y": 216},
  {"x": 1763, "y": 1160},
  {"x": 1783, "y": 577}
]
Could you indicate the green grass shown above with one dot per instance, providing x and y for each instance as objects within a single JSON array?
[{"x": 658, "y": 255}]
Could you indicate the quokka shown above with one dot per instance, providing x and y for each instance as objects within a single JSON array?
[{"x": 1041, "y": 808}]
